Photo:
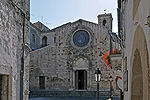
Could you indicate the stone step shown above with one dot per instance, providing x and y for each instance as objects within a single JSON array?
[{"x": 70, "y": 93}]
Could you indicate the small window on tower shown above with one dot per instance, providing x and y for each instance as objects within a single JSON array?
[{"x": 104, "y": 22}]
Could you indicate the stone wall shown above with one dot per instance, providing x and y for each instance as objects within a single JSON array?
[
  {"x": 34, "y": 38},
  {"x": 11, "y": 41}
]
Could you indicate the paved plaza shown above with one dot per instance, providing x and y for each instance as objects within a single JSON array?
[{"x": 71, "y": 98}]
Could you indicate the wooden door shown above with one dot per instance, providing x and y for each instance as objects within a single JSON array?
[
  {"x": 0, "y": 87},
  {"x": 85, "y": 79},
  {"x": 76, "y": 79},
  {"x": 80, "y": 79},
  {"x": 42, "y": 82}
]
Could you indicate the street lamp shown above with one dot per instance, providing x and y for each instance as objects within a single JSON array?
[
  {"x": 98, "y": 78},
  {"x": 110, "y": 78}
]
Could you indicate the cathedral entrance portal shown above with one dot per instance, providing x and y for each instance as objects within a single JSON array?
[{"x": 81, "y": 79}]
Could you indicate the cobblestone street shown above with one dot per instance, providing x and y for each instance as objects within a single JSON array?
[{"x": 70, "y": 98}]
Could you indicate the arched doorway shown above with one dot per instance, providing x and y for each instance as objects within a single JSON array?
[
  {"x": 137, "y": 80},
  {"x": 80, "y": 72}
]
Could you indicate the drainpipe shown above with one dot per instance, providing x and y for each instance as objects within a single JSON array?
[
  {"x": 22, "y": 62},
  {"x": 23, "y": 44},
  {"x": 110, "y": 42},
  {"x": 109, "y": 32}
]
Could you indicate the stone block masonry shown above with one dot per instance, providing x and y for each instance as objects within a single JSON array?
[{"x": 11, "y": 42}]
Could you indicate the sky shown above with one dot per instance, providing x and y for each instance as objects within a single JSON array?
[{"x": 54, "y": 13}]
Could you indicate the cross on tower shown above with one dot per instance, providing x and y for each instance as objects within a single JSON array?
[{"x": 105, "y": 11}]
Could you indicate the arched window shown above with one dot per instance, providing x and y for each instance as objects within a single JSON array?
[
  {"x": 33, "y": 38},
  {"x": 44, "y": 41},
  {"x": 104, "y": 22}
]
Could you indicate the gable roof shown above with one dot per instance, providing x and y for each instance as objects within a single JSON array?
[
  {"x": 41, "y": 26},
  {"x": 43, "y": 29},
  {"x": 78, "y": 21}
]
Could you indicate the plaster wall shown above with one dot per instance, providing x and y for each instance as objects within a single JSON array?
[{"x": 135, "y": 20}]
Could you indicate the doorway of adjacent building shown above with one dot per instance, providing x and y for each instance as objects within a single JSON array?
[
  {"x": 0, "y": 87},
  {"x": 4, "y": 87},
  {"x": 42, "y": 82},
  {"x": 81, "y": 79}
]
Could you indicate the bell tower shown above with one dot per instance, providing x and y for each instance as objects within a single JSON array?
[{"x": 105, "y": 21}]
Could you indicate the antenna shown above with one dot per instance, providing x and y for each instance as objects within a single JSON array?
[
  {"x": 31, "y": 14},
  {"x": 47, "y": 23},
  {"x": 42, "y": 18}
]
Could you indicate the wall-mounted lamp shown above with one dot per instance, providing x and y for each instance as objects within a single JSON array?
[{"x": 27, "y": 47}]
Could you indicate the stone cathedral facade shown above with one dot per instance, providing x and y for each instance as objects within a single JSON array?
[{"x": 66, "y": 57}]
